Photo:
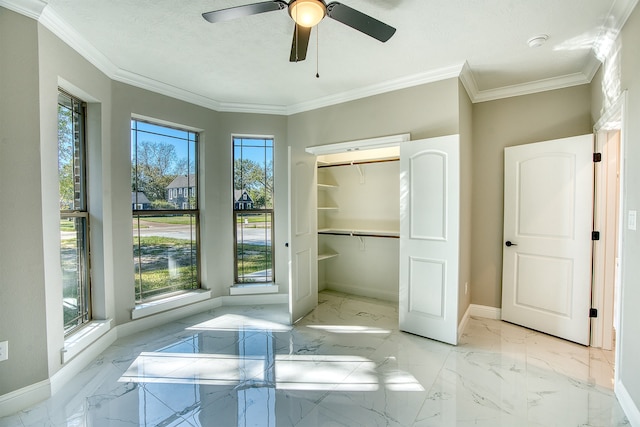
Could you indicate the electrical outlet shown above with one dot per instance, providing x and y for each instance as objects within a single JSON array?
[
  {"x": 466, "y": 288},
  {"x": 631, "y": 225},
  {"x": 4, "y": 350}
]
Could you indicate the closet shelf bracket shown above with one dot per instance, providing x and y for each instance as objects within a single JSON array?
[{"x": 360, "y": 171}]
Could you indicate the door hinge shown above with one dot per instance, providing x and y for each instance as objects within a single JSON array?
[
  {"x": 597, "y": 157},
  {"x": 593, "y": 312},
  {"x": 595, "y": 235}
]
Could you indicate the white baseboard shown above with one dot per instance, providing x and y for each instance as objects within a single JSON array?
[
  {"x": 30, "y": 395},
  {"x": 81, "y": 360},
  {"x": 629, "y": 407},
  {"x": 160, "y": 319},
  {"x": 464, "y": 321},
  {"x": 17, "y": 400},
  {"x": 263, "y": 299},
  {"x": 485, "y": 311},
  {"x": 363, "y": 291}
]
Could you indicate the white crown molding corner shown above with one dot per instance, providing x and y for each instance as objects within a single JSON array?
[
  {"x": 161, "y": 88},
  {"x": 54, "y": 23},
  {"x": 469, "y": 81},
  {"x": 592, "y": 66},
  {"x": 29, "y": 8},
  {"x": 377, "y": 89}
]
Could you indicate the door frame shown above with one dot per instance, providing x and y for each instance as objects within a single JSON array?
[{"x": 612, "y": 120}]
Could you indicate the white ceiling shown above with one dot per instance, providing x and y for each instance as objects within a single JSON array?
[{"x": 166, "y": 46}]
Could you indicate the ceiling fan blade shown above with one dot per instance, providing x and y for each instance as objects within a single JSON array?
[
  {"x": 241, "y": 11},
  {"x": 359, "y": 21},
  {"x": 300, "y": 43}
]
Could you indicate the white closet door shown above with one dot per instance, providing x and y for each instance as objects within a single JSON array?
[
  {"x": 429, "y": 237},
  {"x": 303, "y": 238}
]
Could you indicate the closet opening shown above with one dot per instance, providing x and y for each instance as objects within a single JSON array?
[{"x": 358, "y": 201}]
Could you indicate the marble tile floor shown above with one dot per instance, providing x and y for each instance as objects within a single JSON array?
[{"x": 345, "y": 364}]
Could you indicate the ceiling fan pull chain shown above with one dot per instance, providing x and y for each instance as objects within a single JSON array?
[
  {"x": 297, "y": 44},
  {"x": 317, "y": 51}
]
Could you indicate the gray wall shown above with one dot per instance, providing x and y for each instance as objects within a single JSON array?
[
  {"x": 504, "y": 123},
  {"x": 22, "y": 292},
  {"x": 466, "y": 191},
  {"x": 59, "y": 65},
  {"x": 629, "y": 367},
  {"x": 424, "y": 111}
]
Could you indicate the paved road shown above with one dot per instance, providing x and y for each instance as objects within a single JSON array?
[{"x": 254, "y": 236}]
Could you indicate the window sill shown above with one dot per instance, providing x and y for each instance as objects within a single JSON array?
[
  {"x": 254, "y": 288},
  {"x": 154, "y": 307},
  {"x": 83, "y": 338}
]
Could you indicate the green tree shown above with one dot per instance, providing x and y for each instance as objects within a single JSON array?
[
  {"x": 65, "y": 158},
  {"x": 256, "y": 179},
  {"x": 155, "y": 167}
]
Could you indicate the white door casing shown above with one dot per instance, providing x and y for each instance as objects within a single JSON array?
[
  {"x": 429, "y": 237},
  {"x": 303, "y": 240},
  {"x": 548, "y": 210}
]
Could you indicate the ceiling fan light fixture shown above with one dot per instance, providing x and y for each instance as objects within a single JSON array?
[{"x": 307, "y": 13}]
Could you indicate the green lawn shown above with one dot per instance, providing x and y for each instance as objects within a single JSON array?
[
  {"x": 67, "y": 225},
  {"x": 179, "y": 220},
  {"x": 166, "y": 265},
  {"x": 252, "y": 258}
]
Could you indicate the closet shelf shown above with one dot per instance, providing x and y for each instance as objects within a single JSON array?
[
  {"x": 327, "y": 208},
  {"x": 358, "y": 162},
  {"x": 322, "y": 257},
  {"x": 359, "y": 233},
  {"x": 327, "y": 186}
]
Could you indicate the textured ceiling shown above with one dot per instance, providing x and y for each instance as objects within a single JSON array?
[{"x": 167, "y": 44}]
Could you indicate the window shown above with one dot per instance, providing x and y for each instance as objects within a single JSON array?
[
  {"x": 74, "y": 215},
  {"x": 165, "y": 234},
  {"x": 253, "y": 209}
]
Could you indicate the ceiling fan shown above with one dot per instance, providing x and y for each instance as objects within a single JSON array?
[{"x": 306, "y": 14}]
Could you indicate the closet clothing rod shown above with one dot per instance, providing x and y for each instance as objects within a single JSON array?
[{"x": 359, "y": 162}]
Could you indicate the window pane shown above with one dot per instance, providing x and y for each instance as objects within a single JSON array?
[
  {"x": 253, "y": 209},
  {"x": 74, "y": 244},
  {"x": 163, "y": 159},
  {"x": 253, "y": 171},
  {"x": 164, "y": 177},
  {"x": 253, "y": 247},
  {"x": 73, "y": 256},
  {"x": 71, "y": 153},
  {"x": 165, "y": 255}
]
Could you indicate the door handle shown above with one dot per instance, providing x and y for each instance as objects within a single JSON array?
[
  {"x": 509, "y": 244},
  {"x": 286, "y": 245}
]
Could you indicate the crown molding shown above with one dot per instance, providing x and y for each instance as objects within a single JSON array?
[
  {"x": 476, "y": 95},
  {"x": 37, "y": 9},
  {"x": 29, "y": 8},
  {"x": 377, "y": 89},
  {"x": 233, "y": 107},
  {"x": 529, "y": 88},
  {"x": 54, "y": 23},
  {"x": 469, "y": 82}
]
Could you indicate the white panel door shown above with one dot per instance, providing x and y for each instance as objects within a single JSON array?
[
  {"x": 429, "y": 237},
  {"x": 548, "y": 209},
  {"x": 303, "y": 238}
]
